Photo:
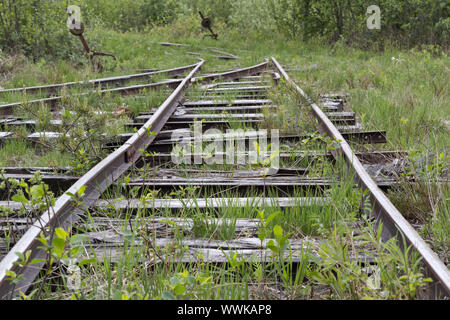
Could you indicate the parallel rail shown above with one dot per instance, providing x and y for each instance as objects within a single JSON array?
[
  {"x": 104, "y": 174},
  {"x": 53, "y": 101},
  {"x": 99, "y": 82},
  {"x": 394, "y": 224}
]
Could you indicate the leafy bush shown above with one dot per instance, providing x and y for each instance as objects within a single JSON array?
[
  {"x": 35, "y": 28},
  {"x": 127, "y": 15},
  {"x": 38, "y": 28}
]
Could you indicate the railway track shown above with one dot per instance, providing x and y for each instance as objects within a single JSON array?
[
  {"x": 101, "y": 86},
  {"x": 146, "y": 174}
]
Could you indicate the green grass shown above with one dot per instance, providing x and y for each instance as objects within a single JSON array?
[
  {"x": 133, "y": 273},
  {"x": 384, "y": 91},
  {"x": 406, "y": 97},
  {"x": 20, "y": 154}
]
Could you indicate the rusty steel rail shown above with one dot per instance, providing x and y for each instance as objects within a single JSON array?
[
  {"x": 96, "y": 181},
  {"x": 52, "y": 101},
  {"x": 394, "y": 224},
  {"x": 102, "y": 81}
]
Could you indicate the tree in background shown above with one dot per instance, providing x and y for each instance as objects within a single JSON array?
[
  {"x": 38, "y": 28},
  {"x": 35, "y": 28}
]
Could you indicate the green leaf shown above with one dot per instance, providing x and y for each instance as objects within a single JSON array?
[
  {"x": 10, "y": 273},
  {"x": 75, "y": 251},
  {"x": 42, "y": 239},
  {"x": 36, "y": 261},
  {"x": 283, "y": 244},
  {"x": 179, "y": 289},
  {"x": 87, "y": 261},
  {"x": 24, "y": 296},
  {"x": 61, "y": 233},
  {"x": 20, "y": 198},
  {"x": 23, "y": 184},
  {"x": 20, "y": 255},
  {"x": 271, "y": 245},
  {"x": 278, "y": 232},
  {"x": 271, "y": 217},
  {"x": 256, "y": 145},
  {"x": 261, "y": 236},
  {"x": 81, "y": 191},
  {"x": 171, "y": 222},
  {"x": 77, "y": 238},
  {"x": 37, "y": 191},
  {"x": 184, "y": 274},
  {"x": 260, "y": 214},
  {"x": 58, "y": 245},
  {"x": 70, "y": 194}
]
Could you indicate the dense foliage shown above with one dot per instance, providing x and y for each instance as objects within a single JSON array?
[
  {"x": 38, "y": 27},
  {"x": 35, "y": 27}
]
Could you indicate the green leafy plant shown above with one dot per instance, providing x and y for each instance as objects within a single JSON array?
[
  {"x": 33, "y": 196},
  {"x": 185, "y": 286},
  {"x": 264, "y": 232}
]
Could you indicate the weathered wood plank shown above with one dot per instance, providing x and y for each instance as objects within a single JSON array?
[
  {"x": 207, "y": 124},
  {"x": 240, "y": 89},
  {"x": 206, "y": 250},
  {"x": 176, "y": 204},
  {"x": 239, "y": 186},
  {"x": 201, "y": 103},
  {"x": 350, "y": 128},
  {"x": 213, "y": 203},
  {"x": 238, "y": 96},
  {"x": 29, "y": 124},
  {"x": 117, "y": 237},
  {"x": 110, "y": 229},
  {"x": 361, "y": 137},
  {"x": 247, "y": 250},
  {"x": 218, "y": 116},
  {"x": 199, "y": 255},
  {"x": 238, "y": 83},
  {"x": 200, "y": 110}
]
